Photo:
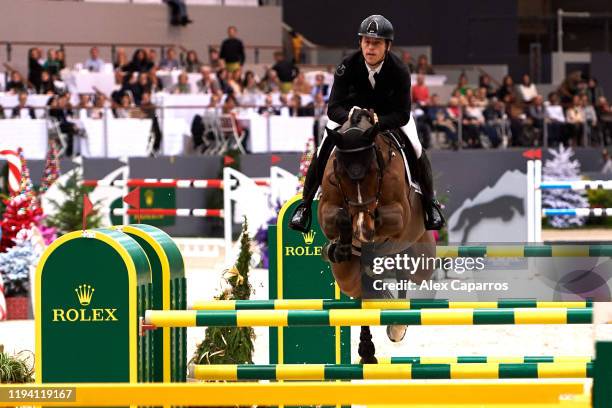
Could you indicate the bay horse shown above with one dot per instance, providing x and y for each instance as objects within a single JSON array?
[{"x": 366, "y": 198}]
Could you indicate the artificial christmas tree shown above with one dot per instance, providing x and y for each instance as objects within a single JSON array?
[
  {"x": 21, "y": 213},
  {"x": 52, "y": 168},
  {"x": 231, "y": 345},
  {"x": 562, "y": 167}
]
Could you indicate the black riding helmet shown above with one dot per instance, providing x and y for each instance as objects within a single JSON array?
[{"x": 376, "y": 26}]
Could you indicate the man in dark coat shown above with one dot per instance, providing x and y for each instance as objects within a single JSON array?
[{"x": 374, "y": 79}]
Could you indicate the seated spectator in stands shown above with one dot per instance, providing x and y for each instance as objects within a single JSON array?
[
  {"x": 480, "y": 98},
  {"x": 178, "y": 12},
  {"x": 441, "y": 121},
  {"x": 156, "y": 83},
  {"x": 321, "y": 87},
  {"x": 139, "y": 62},
  {"x": 575, "y": 118},
  {"x": 235, "y": 82},
  {"x": 52, "y": 64},
  {"x": 270, "y": 83},
  {"x": 461, "y": 99},
  {"x": 408, "y": 60},
  {"x": 590, "y": 116},
  {"x": 462, "y": 84},
  {"x": 420, "y": 91},
  {"x": 214, "y": 60},
  {"x": 232, "y": 50},
  {"x": 473, "y": 120},
  {"x": 537, "y": 113},
  {"x": 527, "y": 89},
  {"x": 454, "y": 109},
  {"x": 47, "y": 85},
  {"x": 604, "y": 115},
  {"x": 183, "y": 86},
  {"x": 250, "y": 90},
  {"x": 517, "y": 117},
  {"x": 16, "y": 84},
  {"x": 192, "y": 62},
  {"x": 484, "y": 81},
  {"x": 423, "y": 66},
  {"x": 319, "y": 105},
  {"x": 229, "y": 108},
  {"x": 301, "y": 85},
  {"x": 143, "y": 85},
  {"x": 121, "y": 59},
  {"x": 285, "y": 70},
  {"x": 223, "y": 80},
  {"x": 171, "y": 61},
  {"x": 83, "y": 109},
  {"x": 296, "y": 109},
  {"x": 268, "y": 108},
  {"x": 213, "y": 104},
  {"x": 60, "y": 111},
  {"x": 569, "y": 88},
  {"x": 94, "y": 63},
  {"x": 506, "y": 88},
  {"x": 497, "y": 119},
  {"x": 61, "y": 59},
  {"x": 151, "y": 59},
  {"x": 23, "y": 110},
  {"x": 34, "y": 67},
  {"x": 207, "y": 83},
  {"x": 99, "y": 109},
  {"x": 124, "y": 109},
  {"x": 557, "y": 131},
  {"x": 594, "y": 91}
]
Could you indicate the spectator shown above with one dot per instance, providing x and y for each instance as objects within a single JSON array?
[
  {"x": 223, "y": 80},
  {"x": 527, "y": 89},
  {"x": 517, "y": 117},
  {"x": 408, "y": 60},
  {"x": 170, "y": 62},
  {"x": 235, "y": 83},
  {"x": 229, "y": 108},
  {"x": 52, "y": 64},
  {"x": 147, "y": 110},
  {"x": 607, "y": 162},
  {"x": 462, "y": 84},
  {"x": 178, "y": 12},
  {"x": 321, "y": 87},
  {"x": 23, "y": 110},
  {"x": 453, "y": 110},
  {"x": 594, "y": 91},
  {"x": 84, "y": 107},
  {"x": 232, "y": 50},
  {"x": 270, "y": 82},
  {"x": 441, "y": 121},
  {"x": 61, "y": 60},
  {"x": 94, "y": 63},
  {"x": 557, "y": 131},
  {"x": 423, "y": 66},
  {"x": 473, "y": 121},
  {"x": 285, "y": 70},
  {"x": 497, "y": 119},
  {"x": 537, "y": 114},
  {"x": 569, "y": 88},
  {"x": 16, "y": 84},
  {"x": 506, "y": 88},
  {"x": 216, "y": 63},
  {"x": 139, "y": 62},
  {"x": 604, "y": 114},
  {"x": 296, "y": 109},
  {"x": 319, "y": 107},
  {"x": 183, "y": 86},
  {"x": 576, "y": 120},
  {"x": 124, "y": 109},
  {"x": 207, "y": 84},
  {"x": 300, "y": 85},
  {"x": 99, "y": 109},
  {"x": 121, "y": 59},
  {"x": 484, "y": 81},
  {"x": 156, "y": 83},
  {"x": 268, "y": 108},
  {"x": 192, "y": 63},
  {"x": 139, "y": 88},
  {"x": 34, "y": 67},
  {"x": 60, "y": 111},
  {"x": 480, "y": 99},
  {"x": 151, "y": 59},
  {"x": 47, "y": 86},
  {"x": 297, "y": 42},
  {"x": 590, "y": 116},
  {"x": 420, "y": 91},
  {"x": 250, "y": 89}
]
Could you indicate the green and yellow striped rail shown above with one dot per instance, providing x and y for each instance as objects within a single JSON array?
[
  {"x": 327, "y": 304},
  {"x": 390, "y": 371},
  {"x": 524, "y": 251},
  {"x": 364, "y": 317},
  {"x": 483, "y": 359}
]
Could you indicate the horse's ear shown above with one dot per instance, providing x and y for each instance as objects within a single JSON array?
[
  {"x": 334, "y": 136},
  {"x": 371, "y": 132}
]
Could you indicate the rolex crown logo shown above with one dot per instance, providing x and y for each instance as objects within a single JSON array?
[
  {"x": 84, "y": 293},
  {"x": 309, "y": 237}
]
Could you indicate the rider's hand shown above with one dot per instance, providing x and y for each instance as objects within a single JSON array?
[
  {"x": 350, "y": 115},
  {"x": 374, "y": 116}
]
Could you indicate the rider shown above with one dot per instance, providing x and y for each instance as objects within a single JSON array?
[{"x": 375, "y": 79}]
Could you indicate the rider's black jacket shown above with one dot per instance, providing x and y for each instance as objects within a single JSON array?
[{"x": 390, "y": 98}]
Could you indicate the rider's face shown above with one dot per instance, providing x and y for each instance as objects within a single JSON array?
[{"x": 373, "y": 50}]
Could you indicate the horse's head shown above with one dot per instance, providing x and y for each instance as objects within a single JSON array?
[{"x": 358, "y": 171}]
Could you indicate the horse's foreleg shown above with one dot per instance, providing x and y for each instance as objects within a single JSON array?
[
  {"x": 389, "y": 220},
  {"x": 336, "y": 225},
  {"x": 424, "y": 247}
]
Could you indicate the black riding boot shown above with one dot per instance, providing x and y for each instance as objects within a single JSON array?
[
  {"x": 302, "y": 216},
  {"x": 434, "y": 220}
]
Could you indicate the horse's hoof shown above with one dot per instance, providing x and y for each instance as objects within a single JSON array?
[
  {"x": 396, "y": 333},
  {"x": 368, "y": 360}
]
